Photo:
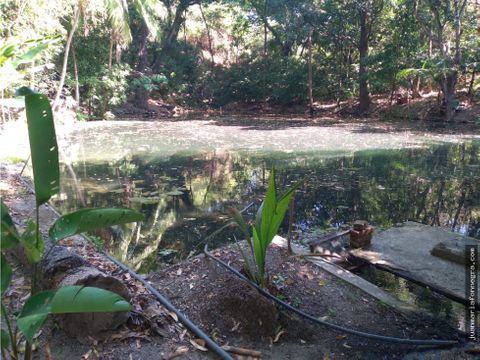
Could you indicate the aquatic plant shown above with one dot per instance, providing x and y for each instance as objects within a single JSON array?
[
  {"x": 267, "y": 222},
  {"x": 67, "y": 299}
]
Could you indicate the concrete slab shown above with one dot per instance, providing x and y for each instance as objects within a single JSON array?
[{"x": 406, "y": 251}]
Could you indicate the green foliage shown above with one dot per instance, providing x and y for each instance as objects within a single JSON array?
[
  {"x": 268, "y": 220},
  {"x": 70, "y": 299},
  {"x": 33, "y": 245},
  {"x": 89, "y": 219},
  {"x": 5, "y": 339},
  {"x": 150, "y": 82},
  {"x": 6, "y": 275},
  {"x": 106, "y": 89},
  {"x": 9, "y": 235},
  {"x": 43, "y": 144},
  {"x": 252, "y": 80},
  {"x": 15, "y": 53}
]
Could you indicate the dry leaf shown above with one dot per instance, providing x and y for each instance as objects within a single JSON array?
[
  {"x": 138, "y": 343},
  {"x": 173, "y": 315},
  {"x": 48, "y": 352},
  {"x": 473, "y": 350},
  {"x": 200, "y": 342},
  {"x": 280, "y": 333},
  {"x": 87, "y": 355},
  {"x": 197, "y": 344},
  {"x": 179, "y": 271},
  {"x": 236, "y": 325},
  {"x": 177, "y": 352}
]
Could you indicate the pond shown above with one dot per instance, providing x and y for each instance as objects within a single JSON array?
[{"x": 184, "y": 177}]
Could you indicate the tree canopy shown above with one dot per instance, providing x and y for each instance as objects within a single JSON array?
[{"x": 213, "y": 53}]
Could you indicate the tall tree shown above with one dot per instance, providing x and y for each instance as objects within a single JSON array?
[
  {"x": 117, "y": 11},
  {"x": 447, "y": 23},
  {"x": 369, "y": 12}
]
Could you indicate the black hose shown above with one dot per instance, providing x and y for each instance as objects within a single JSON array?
[
  {"x": 169, "y": 306},
  {"x": 212, "y": 345},
  {"x": 325, "y": 323}
]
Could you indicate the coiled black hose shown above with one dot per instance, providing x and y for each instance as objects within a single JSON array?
[{"x": 325, "y": 323}]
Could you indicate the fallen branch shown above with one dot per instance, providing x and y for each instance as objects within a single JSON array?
[{"x": 242, "y": 351}]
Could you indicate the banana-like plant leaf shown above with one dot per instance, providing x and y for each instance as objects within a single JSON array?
[
  {"x": 68, "y": 299},
  {"x": 9, "y": 235},
  {"x": 34, "y": 313},
  {"x": 6, "y": 275},
  {"x": 43, "y": 144},
  {"x": 32, "y": 246},
  {"x": 75, "y": 299},
  {"x": 5, "y": 339},
  {"x": 88, "y": 219}
]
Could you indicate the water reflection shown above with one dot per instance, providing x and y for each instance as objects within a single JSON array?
[
  {"x": 184, "y": 196},
  {"x": 434, "y": 303}
]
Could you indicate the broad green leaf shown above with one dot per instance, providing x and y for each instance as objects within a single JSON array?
[
  {"x": 9, "y": 234},
  {"x": 34, "y": 313},
  {"x": 32, "y": 53},
  {"x": 5, "y": 339},
  {"x": 88, "y": 219},
  {"x": 32, "y": 247},
  {"x": 6, "y": 275},
  {"x": 75, "y": 299},
  {"x": 68, "y": 299},
  {"x": 43, "y": 144}
]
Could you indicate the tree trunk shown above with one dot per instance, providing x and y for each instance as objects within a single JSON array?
[
  {"x": 141, "y": 94},
  {"x": 310, "y": 74},
  {"x": 110, "y": 51},
  {"x": 393, "y": 89},
  {"x": 118, "y": 53},
  {"x": 416, "y": 88},
  {"x": 75, "y": 72},
  {"x": 448, "y": 85},
  {"x": 172, "y": 34},
  {"x": 210, "y": 49},
  {"x": 76, "y": 17},
  {"x": 472, "y": 81},
  {"x": 364, "y": 95},
  {"x": 265, "y": 38}
]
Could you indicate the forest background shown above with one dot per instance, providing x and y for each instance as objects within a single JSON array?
[{"x": 103, "y": 58}]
